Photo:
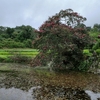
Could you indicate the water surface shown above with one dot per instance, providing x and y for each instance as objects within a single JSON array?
[{"x": 15, "y": 94}]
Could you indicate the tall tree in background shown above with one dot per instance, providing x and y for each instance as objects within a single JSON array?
[
  {"x": 96, "y": 28},
  {"x": 96, "y": 25},
  {"x": 10, "y": 31}
]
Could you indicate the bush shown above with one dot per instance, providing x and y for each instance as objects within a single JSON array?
[
  {"x": 96, "y": 45},
  {"x": 28, "y": 43},
  {"x": 12, "y": 44},
  {"x": 61, "y": 41}
]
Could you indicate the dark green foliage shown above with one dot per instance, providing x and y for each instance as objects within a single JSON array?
[
  {"x": 84, "y": 65},
  {"x": 98, "y": 51},
  {"x": 97, "y": 26},
  {"x": 10, "y": 31},
  {"x": 28, "y": 43},
  {"x": 12, "y": 44},
  {"x": 18, "y": 37},
  {"x": 96, "y": 45}
]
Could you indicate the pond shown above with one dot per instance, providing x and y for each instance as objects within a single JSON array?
[
  {"x": 93, "y": 95},
  {"x": 15, "y": 94},
  {"x": 21, "y": 82}
]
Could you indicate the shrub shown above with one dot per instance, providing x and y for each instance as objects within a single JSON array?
[
  {"x": 96, "y": 45},
  {"x": 61, "y": 41},
  {"x": 12, "y": 44},
  {"x": 28, "y": 43}
]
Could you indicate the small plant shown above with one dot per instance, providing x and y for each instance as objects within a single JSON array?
[
  {"x": 98, "y": 51},
  {"x": 87, "y": 53}
]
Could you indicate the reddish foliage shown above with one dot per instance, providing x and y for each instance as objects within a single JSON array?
[{"x": 61, "y": 37}]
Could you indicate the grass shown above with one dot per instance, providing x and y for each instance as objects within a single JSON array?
[
  {"x": 4, "y": 68},
  {"x": 44, "y": 72},
  {"x": 6, "y": 53},
  {"x": 29, "y": 53},
  {"x": 3, "y": 56},
  {"x": 17, "y": 50},
  {"x": 20, "y": 51}
]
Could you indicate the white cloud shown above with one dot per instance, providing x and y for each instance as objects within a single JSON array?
[{"x": 35, "y": 12}]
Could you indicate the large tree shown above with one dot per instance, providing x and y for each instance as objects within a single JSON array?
[{"x": 61, "y": 41}]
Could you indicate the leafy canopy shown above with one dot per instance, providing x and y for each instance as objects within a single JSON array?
[{"x": 61, "y": 39}]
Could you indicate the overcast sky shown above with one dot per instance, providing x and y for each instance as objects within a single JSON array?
[{"x": 34, "y": 12}]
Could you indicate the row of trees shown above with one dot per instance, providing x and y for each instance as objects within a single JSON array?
[
  {"x": 18, "y": 37},
  {"x": 23, "y": 36}
]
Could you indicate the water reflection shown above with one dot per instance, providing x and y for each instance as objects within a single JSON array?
[
  {"x": 93, "y": 96},
  {"x": 15, "y": 94}
]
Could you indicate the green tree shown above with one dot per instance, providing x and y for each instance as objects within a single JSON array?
[
  {"x": 61, "y": 42},
  {"x": 2, "y": 29},
  {"x": 18, "y": 35},
  {"x": 10, "y": 31},
  {"x": 28, "y": 43},
  {"x": 26, "y": 32},
  {"x": 96, "y": 25}
]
